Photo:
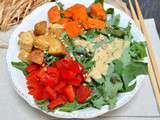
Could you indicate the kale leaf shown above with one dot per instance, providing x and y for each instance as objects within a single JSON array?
[
  {"x": 21, "y": 66},
  {"x": 137, "y": 50},
  {"x": 84, "y": 56},
  {"x": 69, "y": 107},
  {"x": 49, "y": 59}
]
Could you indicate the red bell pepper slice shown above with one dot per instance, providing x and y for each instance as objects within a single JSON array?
[
  {"x": 32, "y": 75},
  {"x": 69, "y": 93},
  {"x": 56, "y": 102},
  {"x": 36, "y": 92},
  {"x": 59, "y": 86},
  {"x": 48, "y": 80},
  {"x": 75, "y": 81},
  {"x": 32, "y": 67},
  {"x": 82, "y": 93},
  {"x": 51, "y": 93},
  {"x": 52, "y": 70},
  {"x": 67, "y": 74}
]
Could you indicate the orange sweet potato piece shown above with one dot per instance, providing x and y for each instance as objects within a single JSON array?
[
  {"x": 94, "y": 23},
  {"x": 54, "y": 14},
  {"x": 72, "y": 28},
  {"x": 67, "y": 13},
  {"x": 64, "y": 20},
  {"x": 80, "y": 13},
  {"x": 77, "y": 12},
  {"x": 97, "y": 11}
]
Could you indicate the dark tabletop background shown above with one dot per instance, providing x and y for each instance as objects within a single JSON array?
[{"x": 150, "y": 9}]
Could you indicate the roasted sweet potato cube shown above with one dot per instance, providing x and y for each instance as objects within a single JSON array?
[
  {"x": 26, "y": 40},
  {"x": 77, "y": 12},
  {"x": 36, "y": 56},
  {"x": 40, "y": 28},
  {"x": 41, "y": 42},
  {"x": 23, "y": 55},
  {"x": 97, "y": 11},
  {"x": 72, "y": 28},
  {"x": 56, "y": 47},
  {"x": 65, "y": 20},
  {"x": 54, "y": 14},
  {"x": 67, "y": 13},
  {"x": 94, "y": 23}
]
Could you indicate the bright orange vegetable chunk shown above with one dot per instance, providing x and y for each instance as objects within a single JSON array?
[
  {"x": 72, "y": 28},
  {"x": 65, "y": 20},
  {"x": 95, "y": 23},
  {"x": 97, "y": 11},
  {"x": 54, "y": 14},
  {"x": 77, "y": 12}
]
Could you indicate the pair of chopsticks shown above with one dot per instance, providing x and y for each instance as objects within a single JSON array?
[{"x": 152, "y": 66}]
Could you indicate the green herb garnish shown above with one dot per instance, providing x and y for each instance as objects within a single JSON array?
[
  {"x": 49, "y": 59},
  {"x": 21, "y": 66}
]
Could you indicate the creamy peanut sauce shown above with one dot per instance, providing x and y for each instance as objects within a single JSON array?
[{"x": 104, "y": 54}]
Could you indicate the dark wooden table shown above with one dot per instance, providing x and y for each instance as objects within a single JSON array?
[{"x": 151, "y": 9}]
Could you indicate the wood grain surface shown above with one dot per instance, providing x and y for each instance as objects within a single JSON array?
[{"x": 150, "y": 9}]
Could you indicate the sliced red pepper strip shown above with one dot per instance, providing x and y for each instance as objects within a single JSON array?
[
  {"x": 82, "y": 93},
  {"x": 75, "y": 81},
  {"x": 59, "y": 86},
  {"x": 48, "y": 80},
  {"x": 69, "y": 93},
  {"x": 32, "y": 67},
  {"x": 51, "y": 92},
  {"x": 56, "y": 102}
]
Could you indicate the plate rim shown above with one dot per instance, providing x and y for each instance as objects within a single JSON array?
[{"x": 54, "y": 113}]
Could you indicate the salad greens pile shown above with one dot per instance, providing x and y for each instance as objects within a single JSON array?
[{"x": 120, "y": 74}]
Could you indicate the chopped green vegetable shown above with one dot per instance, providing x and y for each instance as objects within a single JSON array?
[
  {"x": 42, "y": 104},
  {"x": 60, "y": 5},
  {"x": 49, "y": 59},
  {"x": 98, "y": 103},
  {"x": 69, "y": 107},
  {"x": 110, "y": 11},
  {"x": 117, "y": 31},
  {"x": 84, "y": 56},
  {"x": 41, "y": 101},
  {"x": 21, "y": 66},
  {"x": 89, "y": 34},
  {"x": 131, "y": 71},
  {"x": 137, "y": 50}
]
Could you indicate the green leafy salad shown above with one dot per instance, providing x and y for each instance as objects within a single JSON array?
[{"x": 110, "y": 56}]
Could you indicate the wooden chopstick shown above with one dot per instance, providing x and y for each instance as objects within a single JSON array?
[
  {"x": 149, "y": 44},
  {"x": 154, "y": 85},
  {"x": 150, "y": 67},
  {"x": 134, "y": 15}
]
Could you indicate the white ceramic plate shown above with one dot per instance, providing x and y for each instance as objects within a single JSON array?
[{"x": 18, "y": 78}]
